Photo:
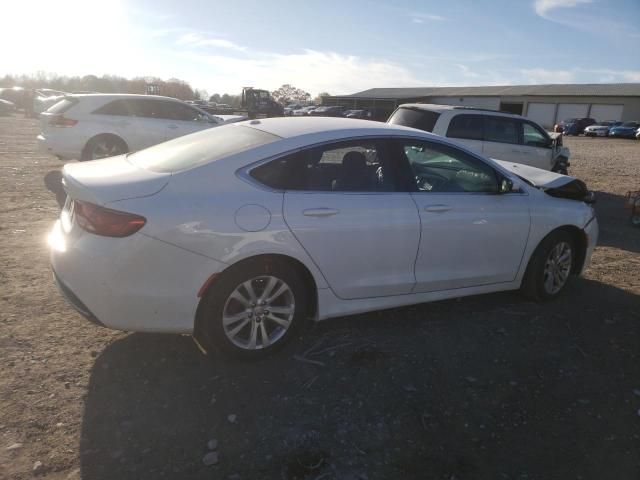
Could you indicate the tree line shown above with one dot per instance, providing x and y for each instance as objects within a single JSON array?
[{"x": 172, "y": 87}]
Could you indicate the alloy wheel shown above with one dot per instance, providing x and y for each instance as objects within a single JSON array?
[
  {"x": 557, "y": 268},
  {"x": 258, "y": 312}
]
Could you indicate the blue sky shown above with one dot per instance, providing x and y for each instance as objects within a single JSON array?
[{"x": 335, "y": 46}]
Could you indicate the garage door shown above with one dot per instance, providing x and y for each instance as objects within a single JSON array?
[
  {"x": 572, "y": 110},
  {"x": 542, "y": 113},
  {"x": 606, "y": 112}
]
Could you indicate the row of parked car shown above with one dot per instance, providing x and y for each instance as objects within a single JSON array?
[
  {"x": 589, "y": 127},
  {"x": 296, "y": 110},
  {"x": 32, "y": 101}
]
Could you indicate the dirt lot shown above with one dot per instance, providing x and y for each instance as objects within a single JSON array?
[{"x": 489, "y": 387}]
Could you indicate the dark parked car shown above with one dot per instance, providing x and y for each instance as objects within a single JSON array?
[
  {"x": 574, "y": 126},
  {"x": 333, "y": 111},
  {"x": 626, "y": 130}
]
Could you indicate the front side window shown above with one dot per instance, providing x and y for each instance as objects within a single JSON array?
[
  {"x": 177, "y": 111},
  {"x": 357, "y": 166},
  {"x": 441, "y": 168},
  {"x": 500, "y": 129},
  {"x": 533, "y": 136},
  {"x": 466, "y": 126}
]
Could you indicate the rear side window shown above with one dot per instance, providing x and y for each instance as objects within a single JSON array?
[
  {"x": 415, "y": 118},
  {"x": 119, "y": 107},
  {"x": 357, "y": 166},
  {"x": 200, "y": 148},
  {"x": 465, "y": 126},
  {"x": 499, "y": 129},
  {"x": 62, "y": 106}
]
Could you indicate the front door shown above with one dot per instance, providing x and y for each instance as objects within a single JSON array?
[
  {"x": 342, "y": 204},
  {"x": 471, "y": 235}
]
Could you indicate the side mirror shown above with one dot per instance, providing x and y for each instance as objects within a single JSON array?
[{"x": 506, "y": 185}]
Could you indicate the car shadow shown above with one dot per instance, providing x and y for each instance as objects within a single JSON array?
[
  {"x": 614, "y": 222},
  {"x": 491, "y": 386}
]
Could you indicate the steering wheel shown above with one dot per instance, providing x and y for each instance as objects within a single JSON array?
[{"x": 431, "y": 181}]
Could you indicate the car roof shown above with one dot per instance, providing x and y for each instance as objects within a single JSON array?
[
  {"x": 434, "y": 107},
  {"x": 121, "y": 95},
  {"x": 287, "y": 127}
]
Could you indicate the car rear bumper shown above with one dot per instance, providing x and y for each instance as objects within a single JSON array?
[{"x": 135, "y": 283}]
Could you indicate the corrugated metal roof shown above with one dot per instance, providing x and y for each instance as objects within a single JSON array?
[{"x": 587, "y": 89}]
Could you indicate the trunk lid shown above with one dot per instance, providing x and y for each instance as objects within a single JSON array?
[{"x": 110, "y": 179}]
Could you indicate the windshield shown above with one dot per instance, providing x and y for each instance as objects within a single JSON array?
[
  {"x": 630, "y": 124},
  {"x": 199, "y": 148}
]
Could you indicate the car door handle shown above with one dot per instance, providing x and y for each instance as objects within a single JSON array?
[
  {"x": 173, "y": 126},
  {"x": 437, "y": 208},
  {"x": 320, "y": 212}
]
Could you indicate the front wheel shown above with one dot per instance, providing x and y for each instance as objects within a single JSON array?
[
  {"x": 550, "y": 267},
  {"x": 254, "y": 309}
]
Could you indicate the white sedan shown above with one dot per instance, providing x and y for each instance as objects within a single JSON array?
[{"x": 238, "y": 233}]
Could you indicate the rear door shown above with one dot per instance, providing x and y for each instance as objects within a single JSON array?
[
  {"x": 467, "y": 129},
  {"x": 343, "y": 205},
  {"x": 133, "y": 120},
  {"x": 502, "y": 138}
]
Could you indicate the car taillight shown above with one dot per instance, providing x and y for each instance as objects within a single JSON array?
[
  {"x": 106, "y": 222},
  {"x": 62, "y": 121}
]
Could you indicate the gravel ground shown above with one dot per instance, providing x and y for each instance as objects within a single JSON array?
[{"x": 489, "y": 387}]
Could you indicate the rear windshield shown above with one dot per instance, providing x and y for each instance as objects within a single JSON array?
[
  {"x": 63, "y": 105},
  {"x": 199, "y": 148},
  {"x": 415, "y": 118}
]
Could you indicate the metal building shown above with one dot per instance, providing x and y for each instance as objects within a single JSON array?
[{"x": 546, "y": 104}]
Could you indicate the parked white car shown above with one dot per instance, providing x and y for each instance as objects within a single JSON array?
[
  {"x": 304, "y": 111},
  {"x": 498, "y": 135},
  {"x": 87, "y": 127},
  {"x": 238, "y": 233}
]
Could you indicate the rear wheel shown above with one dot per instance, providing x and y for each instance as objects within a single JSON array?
[
  {"x": 104, "y": 146},
  {"x": 254, "y": 309},
  {"x": 550, "y": 267}
]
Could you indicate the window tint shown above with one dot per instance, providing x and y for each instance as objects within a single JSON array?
[
  {"x": 465, "y": 126},
  {"x": 498, "y": 129},
  {"x": 117, "y": 107},
  {"x": 532, "y": 136},
  {"x": 415, "y": 118},
  {"x": 200, "y": 148},
  {"x": 439, "y": 168},
  {"x": 342, "y": 167},
  {"x": 179, "y": 111}
]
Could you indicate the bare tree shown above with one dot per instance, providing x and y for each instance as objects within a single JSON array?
[{"x": 288, "y": 93}]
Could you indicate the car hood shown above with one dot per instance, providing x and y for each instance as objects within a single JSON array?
[
  {"x": 536, "y": 176},
  {"x": 624, "y": 129},
  {"x": 554, "y": 184}
]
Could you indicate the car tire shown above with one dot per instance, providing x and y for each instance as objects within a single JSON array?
[
  {"x": 549, "y": 270},
  {"x": 104, "y": 146},
  {"x": 237, "y": 316}
]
